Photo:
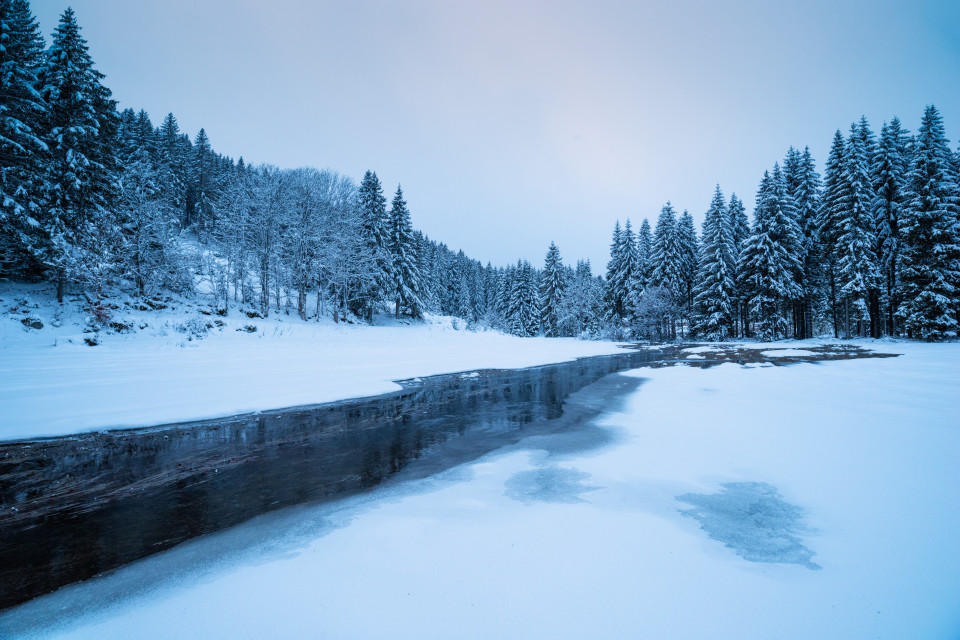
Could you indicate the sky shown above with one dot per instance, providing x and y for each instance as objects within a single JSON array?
[{"x": 514, "y": 123}]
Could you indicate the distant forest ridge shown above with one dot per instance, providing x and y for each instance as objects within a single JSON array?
[{"x": 105, "y": 201}]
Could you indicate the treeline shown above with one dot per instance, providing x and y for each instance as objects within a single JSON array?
[
  {"x": 111, "y": 203},
  {"x": 873, "y": 249}
]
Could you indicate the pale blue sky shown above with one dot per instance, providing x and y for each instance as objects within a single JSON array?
[{"x": 514, "y": 123}]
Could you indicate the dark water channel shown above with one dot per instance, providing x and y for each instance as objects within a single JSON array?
[{"x": 76, "y": 506}]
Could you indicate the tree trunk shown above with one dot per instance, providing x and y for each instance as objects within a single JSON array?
[
  {"x": 876, "y": 320},
  {"x": 834, "y": 310}
]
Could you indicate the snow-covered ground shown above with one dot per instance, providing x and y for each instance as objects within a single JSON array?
[
  {"x": 172, "y": 368},
  {"x": 817, "y": 501}
]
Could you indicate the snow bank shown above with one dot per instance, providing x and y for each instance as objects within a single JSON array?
[
  {"x": 787, "y": 353},
  {"x": 524, "y": 544}
]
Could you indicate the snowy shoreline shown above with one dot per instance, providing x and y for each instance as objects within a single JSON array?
[
  {"x": 56, "y": 385},
  {"x": 174, "y": 369}
]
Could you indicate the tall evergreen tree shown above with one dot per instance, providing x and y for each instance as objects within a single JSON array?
[
  {"x": 667, "y": 270},
  {"x": 524, "y": 307},
  {"x": 715, "y": 291},
  {"x": 689, "y": 247},
  {"x": 82, "y": 167},
  {"x": 553, "y": 284},
  {"x": 371, "y": 204},
  {"x": 665, "y": 256},
  {"x": 739, "y": 232},
  {"x": 803, "y": 185},
  {"x": 930, "y": 226},
  {"x": 404, "y": 267},
  {"x": 890, "y": 168},
  {"x": 620, "y": 270},
  {"x": 770, "y": 258},
  {"x": 22, "y": 149},
  {"x": 644, "y": 255},
  {"x": 857, "y": 272},
  {"x": 201, "y": 195},
  {"x": 829, "y": 224},
  {"x": 172, "y": 163}
]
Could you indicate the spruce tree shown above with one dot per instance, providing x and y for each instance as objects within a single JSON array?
[
  {"x": 857, "y": 272},
  {"x": 172, "y": 163},
  {"x": 524, "y": 310},
  {"x": 614, "y": 292},
  {"x": 890, "y": 168},
  {"x": 665, "y": 256},
  {"x": 739, "y": 232},
  {"x": 806, "y": 194},
  {"x": 82, "y": 167},
  {"x": 689, "y": 248},
  {"x": 930, "y": 226},
  {"x": 829, "y": 224},
  {"x": 371, "y": 204},
  {"x": 22, "y": 149},
  {"x": 666, "y": 275},
  {"x": 552, "y": 288},
  {"x": 715, "y": 291},
  {"x": 405, "y": 271},
  {"x": 770, "y": 258},
  {"x": 201, "y": 194},
  {"x": 644, "y": 255}
]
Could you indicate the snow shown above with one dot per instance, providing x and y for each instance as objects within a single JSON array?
[
  {"x": 853, "y": 461},
  {"x": 54, "y": 384},
  {"x": 787, "y": 353}
]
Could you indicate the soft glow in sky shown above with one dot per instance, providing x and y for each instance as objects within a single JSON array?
[{"x": 514, "y": 123}]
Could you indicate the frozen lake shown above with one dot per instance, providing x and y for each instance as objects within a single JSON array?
[{"x": 808, "y": 501}]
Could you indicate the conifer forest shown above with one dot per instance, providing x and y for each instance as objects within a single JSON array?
[{"x": 106, "y": 201}]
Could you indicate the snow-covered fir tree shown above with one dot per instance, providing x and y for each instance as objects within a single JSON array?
[
  {"x": 553, "y": 284},
  {"x": 803, "y": 185},
  {"x": 739, "y": 232},
  {"x": 150, "y": 253},
  {"x": 715, "y": 290},
  {"x": 372, "y": 207},
  {"x": 619, "y": 270},
  {"x": 523, "y": 313},
  {"x": 172, "y": 150},
  {"x": 581, "y": 308},
  {"x": 22, "y": 148},
  {"x": 930, "y": 225},
  {"x": 82, "y": 171},
  {"x": 890, "y": 168},
  {"x": 644, "y": 256},
  {"x": 689, "y": 247},
  {"x": 667, "y": 269},
  {"x": 857, "y": 272},
  {"x": 201, "y": 194},
  {"x": 405, "y": 289},
  {"x": 770, "y": 258},
  {"x": 829, "y": 225}
]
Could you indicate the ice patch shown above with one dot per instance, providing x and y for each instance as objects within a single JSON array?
[
  {"x": 548, "y": 484},
  {"x": 752, "y": 519}
]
